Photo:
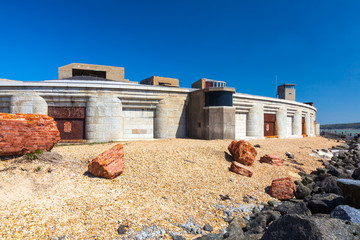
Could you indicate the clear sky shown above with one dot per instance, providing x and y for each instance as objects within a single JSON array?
[{"x": 313, "y": 44}]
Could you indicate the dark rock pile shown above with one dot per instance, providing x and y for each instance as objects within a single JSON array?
[{"x": 326, "y": 205}]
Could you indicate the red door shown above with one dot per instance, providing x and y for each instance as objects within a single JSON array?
[
  {"x": 70, "y": 121},
  {"x": 269, "y": 125}
]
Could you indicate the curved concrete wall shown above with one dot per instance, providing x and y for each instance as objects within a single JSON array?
[
  {"x": 28, "y": 102},
  {"x": 288, "y": 116},
  {"x": 104, "y": 121},
  {"x": 170, "y": 118},
  {"x": 116, "y": 110}
]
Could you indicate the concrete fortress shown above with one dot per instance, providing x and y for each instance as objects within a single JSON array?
[{"x": 96, "y": 104}]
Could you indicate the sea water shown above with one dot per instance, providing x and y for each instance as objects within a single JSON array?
[{"x": 347, "y": 132}]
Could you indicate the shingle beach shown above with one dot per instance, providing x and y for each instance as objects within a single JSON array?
[{"x": 166, "y": 183}]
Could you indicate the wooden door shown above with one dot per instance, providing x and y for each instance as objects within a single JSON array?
[
  {"x": 269, "y": 125},
  {"x": 70, "y": 121}
]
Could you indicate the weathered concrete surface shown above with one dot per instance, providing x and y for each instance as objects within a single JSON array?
[
  {"x": 139, "y": 104},
  {"x": 104, "y": 120},
  {"x": 219, "y": 122},
  {"x": 112, "y": 73},
  {"x": 170, "y": 118},
  {"x": 25, "y": 133},
  {"x": 280, "y": 127},
  {"x": 108, "y": 164},
  {"x": 28, "y": 102},
  {"x": 255, "y": 121}
]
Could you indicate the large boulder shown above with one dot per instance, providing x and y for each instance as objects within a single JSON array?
[
  {"x": 282, "y": 188},
  {"x": 240, "y": 169},
  {"x": 310, "y": 228},
  {"x": 301, "y": 190},
  {"x": 346, "y": 212},
  {"x": 272, "y": 159},
  {"x": 329, "y": 185},
  {"x": 108, "y": 164},
  {"x": 356, "y": 174},
  {"x": 324, "y": 202},
  {"x": 242, "y": 152},
  {"x": 351, "y": 191},
  {"x": 288, "y": 207},
  {"x": 26, "y": 133}
]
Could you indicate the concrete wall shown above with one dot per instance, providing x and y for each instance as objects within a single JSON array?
[
  {"x": 219, "y": 122},
  {"x": 288, "y": 116},
  {"x": 104, "y": 118},
  {"x": 170, "y": 118},
  {"x": 138, "y": 123},
  {"x": 161, "y": 81},
  {"x": 240, "y": 125},
  {"x": 28, "y": 102},
  {"x": 118, "y": 110},
  {"x": 112, "y": 73}
]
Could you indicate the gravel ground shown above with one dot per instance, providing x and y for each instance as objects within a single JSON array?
[{"x": 166, "y": 183}]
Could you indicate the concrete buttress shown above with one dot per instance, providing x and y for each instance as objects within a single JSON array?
[
  {"x": 255, "y": 121},
  {"x": 104, "y": 119}
]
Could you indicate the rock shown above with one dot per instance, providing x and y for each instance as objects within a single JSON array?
[
  {"x": 325, "y": 202},
  {"x": 257, "y": 145},
  {"x": 329, "y": 185},
  {"x": 208, "y": 228},
  {"x": 321, "y": 170},
  {"x": 26, "y": 133},
  {"x": 242, "y": 152},
  {"x": 224, "y": 197},
  {"x": 290, "y": 155},
  {"x": 177, "y": 237},
  {"x": 351, "y": 191},
  {"x": 252, "y": 237},
  {"x": 256, "y": 230},
  {"x": 282, "y": 188},
  {"x": 356, "y": 174},
  {"x": 293, "y": 208},
  {"x": 310, "y": 228},
  {"x": 211, "y": 236},
  {"x": 343, "y": 146},
  {"x": 122, "y": 229},
  {"x": 260, "y": 220},
  {"x": 346, "y": 212},
  {"x": 301, "y": 190},
  {"x": 272, "y": 159},
  {"x": 234, "y": 229},
  {"x": 240, "y": 169},
  {"x": 273, "y": 203},
  {"x": 108, "y": 164}
]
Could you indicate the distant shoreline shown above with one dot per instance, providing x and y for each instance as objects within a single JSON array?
[{"x": 343, "y": 126}]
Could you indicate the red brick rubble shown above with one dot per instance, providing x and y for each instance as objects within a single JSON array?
[
  {"x": 282, "y": 188},
  {"x": 25, "y": 133},
  {"x": 272, "y": 159},
  {"x": 242, "y": 152},
  {"x": 108, "y": 164},
  {"x": 240, "y": 169}
]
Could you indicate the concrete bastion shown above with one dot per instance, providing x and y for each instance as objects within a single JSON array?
[{"x": 99, "y": 111}]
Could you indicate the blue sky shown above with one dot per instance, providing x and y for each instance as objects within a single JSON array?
[{"x": 314, "y": 44}]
